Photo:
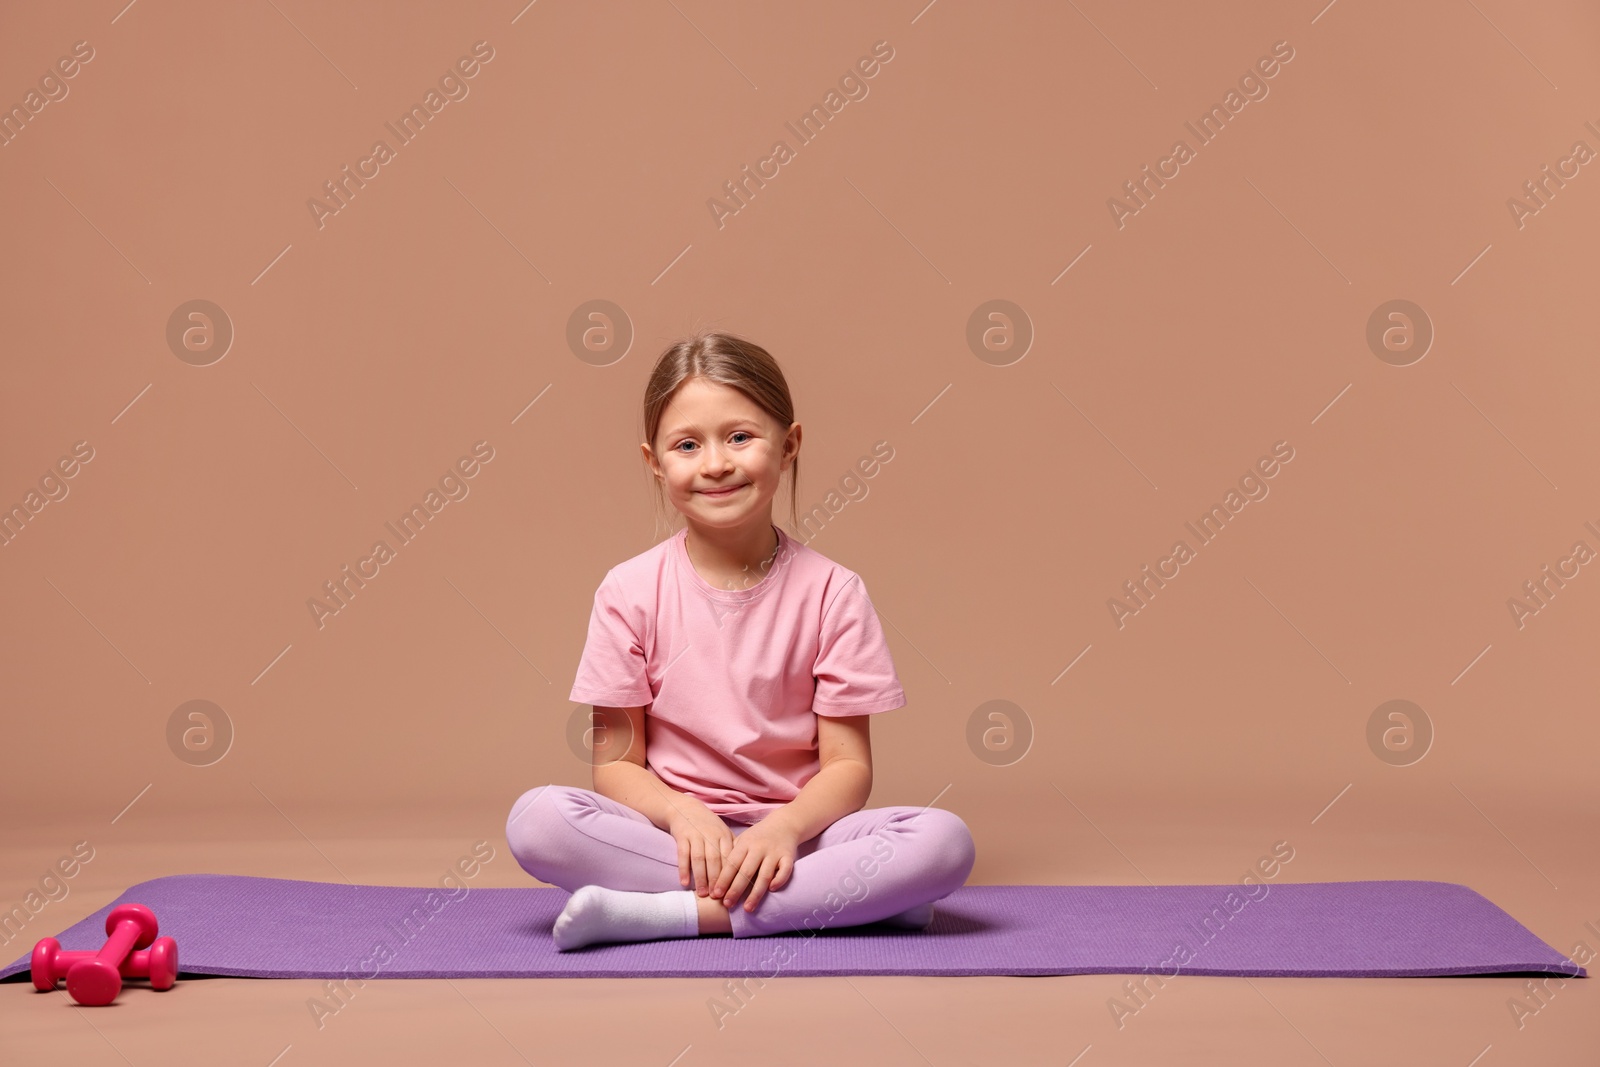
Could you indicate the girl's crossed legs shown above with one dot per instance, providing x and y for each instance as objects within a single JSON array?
[{"x": 868, "y": 865}]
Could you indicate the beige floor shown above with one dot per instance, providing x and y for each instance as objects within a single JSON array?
[{"x": 1542, "y": 869}]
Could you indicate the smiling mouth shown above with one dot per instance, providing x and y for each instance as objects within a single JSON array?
[{"x": 727, "y": 491}]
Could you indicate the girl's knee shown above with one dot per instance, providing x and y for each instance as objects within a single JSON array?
[
  {"x": 956, "y": 852},
  {"x": 536, "y": 820}
]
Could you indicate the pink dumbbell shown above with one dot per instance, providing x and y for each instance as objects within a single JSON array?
[
  {"x": 98, "y": 979},
  {"x": 159, "y": 963}
]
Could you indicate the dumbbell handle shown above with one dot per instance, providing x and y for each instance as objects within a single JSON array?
[
  {"x": 120, "y": 944},
  {"x": 136, "y": 965}
]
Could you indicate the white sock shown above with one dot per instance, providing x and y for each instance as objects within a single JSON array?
[
  {"x": 595, "y": 913},
  {"x": 916, "y": 918}
]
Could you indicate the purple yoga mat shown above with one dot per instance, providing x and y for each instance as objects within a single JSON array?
[{"x": 281, "y": 928}]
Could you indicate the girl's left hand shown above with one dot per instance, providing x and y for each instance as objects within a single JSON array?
[{"x": 762, "y": 857}]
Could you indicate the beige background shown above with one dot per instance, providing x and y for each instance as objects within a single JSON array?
[{"x": 432, "y": 312}]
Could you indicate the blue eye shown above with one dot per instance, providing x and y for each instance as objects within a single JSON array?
[{"x": 741, "y": 433}]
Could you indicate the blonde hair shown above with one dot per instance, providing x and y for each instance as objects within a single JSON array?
[{"x": 728, "y": 360}]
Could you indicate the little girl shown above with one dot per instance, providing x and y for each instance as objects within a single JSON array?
[{"x": 733, "y": 673}]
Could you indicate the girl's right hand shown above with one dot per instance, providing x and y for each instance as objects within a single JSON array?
[{"x": 704, "y": 842}]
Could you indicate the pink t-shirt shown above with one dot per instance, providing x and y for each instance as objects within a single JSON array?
[{"x": 732, "y": 680}]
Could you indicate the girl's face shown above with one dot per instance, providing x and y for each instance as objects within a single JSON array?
[{"x": 714, "y": 437}]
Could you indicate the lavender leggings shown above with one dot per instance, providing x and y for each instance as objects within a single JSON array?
[{"x": 867, "y": 866}]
